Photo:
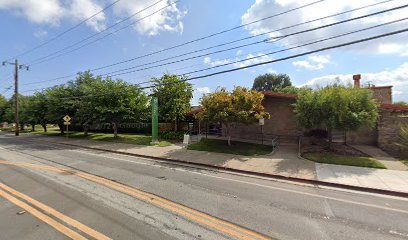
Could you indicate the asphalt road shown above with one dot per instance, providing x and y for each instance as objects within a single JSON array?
[{"x": 50, "y": 191}]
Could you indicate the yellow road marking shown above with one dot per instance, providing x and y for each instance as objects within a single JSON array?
[
  {"x": 64, "y": 218},
  {"x": 156, "y": 201},
  {"x": 192, "y": 214},
  {"x": 155, "y": 198},
  {"x": 58, "y": 226}
]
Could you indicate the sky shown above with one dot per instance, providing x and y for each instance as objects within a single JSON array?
[{"x": 109, "y": 38}]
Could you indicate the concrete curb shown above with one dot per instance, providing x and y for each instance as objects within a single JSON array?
[{"x": 261, "y": 174}]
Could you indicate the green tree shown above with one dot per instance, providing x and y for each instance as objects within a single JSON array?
[
  {"x": 403, "y": 137},
  {"x": 240, "y": 106},
  {"x": 271, "y": 82},
  {"x": 61, "y": 101},
  {"x": 113, "y": 102},
  {"x": 38, "y": 110},
  {"x": 174, "y": 95},
  {"x": 293, "y": 90},
  {"x": 336, "y": 107},
  {"x": 84, "y": 85},
  {"x": 403, "y": 103},
  {"x": 3, "y": 106},
  {"x": 22, "y": 107}
]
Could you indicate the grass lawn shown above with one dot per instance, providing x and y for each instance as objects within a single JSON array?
[
  {"x": 405, "y": 162},
  {"x": 332, "y": 158},
  {"x": 108, "y": 137},
  {"x": 221, "y": 146}
]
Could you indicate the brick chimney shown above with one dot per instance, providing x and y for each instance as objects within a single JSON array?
[{"x": 356, "y": 79}]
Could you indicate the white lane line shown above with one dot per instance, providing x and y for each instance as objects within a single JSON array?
[
  {"x": 256, "y": 184},
  {"x": 330, "y": 213},
  {"x": 327, "y": 209}
]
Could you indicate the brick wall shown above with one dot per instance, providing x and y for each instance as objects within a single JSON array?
[
  {"x": 382, "y": 94},
  {"x": 365, "y": 136},
  {"x": 282, "y": 121},
  {"x": 389, "y": 126}
]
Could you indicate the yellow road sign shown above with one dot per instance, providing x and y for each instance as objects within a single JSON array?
[
  {"x": 67, "y": 123},
  {"x": 67, "y": 118}
]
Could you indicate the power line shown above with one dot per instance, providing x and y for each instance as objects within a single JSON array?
[
  {"x": 291, "y": 48},
  {"x": 223, "y": 44},
  {"x": 267, "y": 54},
  {"x": 300, "y": 46},
  {"x": 214, "y": 34},
  {"x": 270, "y": 53},
  {"x": 262, "y": 63},
  {"x": 120, "y": 72},
  {"x": 246, "y": 38},
  {"x": 105, "y": 36},
  {"x": 68, "y": 30},
  {"x": 49, "y": 56},
  {"x": 205, "y": 37},
  {"x": 6, "y": 90},
  {"x": 303, "y": 54}
]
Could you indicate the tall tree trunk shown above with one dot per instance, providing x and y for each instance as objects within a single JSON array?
[
  {"x": 345, "y": 138},
  {"x": 175, "y": 125},
  {"x": 330, "y": 135},
  {"x": 61, "y": 127},
  {"x": 33, "y": 127},
  {"x": 115, "y": 130},
  {"x": 44, "y": 127},
  {"x": 86, "y": 129},
  {"x": 228, "y": 134}
]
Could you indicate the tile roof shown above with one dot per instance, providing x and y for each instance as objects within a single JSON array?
[
  {"x": 194, "y": 112},
  {"x": 379, "y": 87},
  {"x": 386, "y": 106},
  {"x": 394, "y": 107},
  {"x": 280, "y": 95}
]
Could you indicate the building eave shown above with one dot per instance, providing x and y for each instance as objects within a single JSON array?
[{"x": 394, "y": 107}]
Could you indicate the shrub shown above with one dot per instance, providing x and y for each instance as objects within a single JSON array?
[
  {"x": 317, "y": 133},
  {"x": 404, "y": 136},
  {"x": 172, "y": 135}
]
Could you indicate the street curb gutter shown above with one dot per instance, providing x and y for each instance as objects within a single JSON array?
[{"x": 261, "y": 174}]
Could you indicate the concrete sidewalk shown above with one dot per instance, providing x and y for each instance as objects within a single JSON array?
[
  {"x": 283, "y": 162},
  {"x": 389, "y": 162}
]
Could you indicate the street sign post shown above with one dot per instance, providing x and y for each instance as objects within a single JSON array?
[
  {"x": 67, "y": 121},
  {"x": 262, "y": 123},
  {"x": 67, "y": 118},
  {"x": 155, "y": 120}
]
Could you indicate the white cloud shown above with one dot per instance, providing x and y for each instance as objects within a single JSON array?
[
  {"x": 396, "y": 77},
  {"x": 272, "y": 71},
  {"x": 169, "y": 19},
  {"x": 264, "y": 8},
  {"x": 44, "y": 11},
  {"x": 40, "y": 34},
  {"x": 393, "y": 48},
  {"x": 82, "y": 9},
  {"x": 53, "y": 12},
  {"x": 197, "y": 95},
  {"x": 314, "y": 62},
  {"x": 204, "y": 90},
  {"x": 253, "y": 59},
  {"x": 209, "y": 61},
  {"x": 248, "y": 60}
]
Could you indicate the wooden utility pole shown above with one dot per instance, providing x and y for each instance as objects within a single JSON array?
[
  {"x": 16, "y": 115},
  {"x": 16, "y": 105}
]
